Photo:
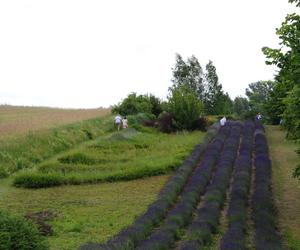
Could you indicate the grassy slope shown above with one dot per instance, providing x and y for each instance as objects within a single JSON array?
[
  {"x": 23, "y": 151},
  {"x": 123, "y": 155},
  {"x": 286, "y": 188},
  {"x": 15, "y": 120},
  {"x": 85, "y": 213}
]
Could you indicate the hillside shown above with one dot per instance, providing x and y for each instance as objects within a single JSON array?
[{"x": 16, "y": 120}]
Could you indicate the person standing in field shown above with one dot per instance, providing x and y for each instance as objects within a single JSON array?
[
  {"x": 118, "y": 120},
  {"x": 125, "y": 122},
  {"x": 223, "y": 121}
]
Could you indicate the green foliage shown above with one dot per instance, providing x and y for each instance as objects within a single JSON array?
[
  {"x": 184, "y": 106},
  {"x": 19, "y": 234},
  {"x": 259, "y": 97},
  {"x": 241, "y": 106},
  {"x": 215, "y": 101},
  {"x": 297, "y": 2},
  {"x": 286, "y": 94},
  {"x": 3, "y": 172},
  {"x": 134, "y": 104},
  {"x": 190, "y": 74},
  {"x": 291, "y": 114}
]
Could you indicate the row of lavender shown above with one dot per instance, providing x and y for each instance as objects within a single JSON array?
[
  {"x": 234, "y": 238},
  {"x": 181, "y": 214},
  {"x": 267, "y": 236},
  {"x": 129, "y": 237},
  {"x": 207, "y": 216}
]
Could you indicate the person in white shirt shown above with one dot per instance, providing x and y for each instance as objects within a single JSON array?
[
  {"x": 223, "y": 121},
  {"x": 125, "y": 122},
  {"x": 118, "y": 121}
]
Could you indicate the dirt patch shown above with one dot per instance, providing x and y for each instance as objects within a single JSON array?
[{"x": 40, "y": 219}]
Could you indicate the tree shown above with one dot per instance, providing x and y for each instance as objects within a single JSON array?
[
  {"x": 185, "y": 106},
  {"x": 286, "y": 93},
  {"x": 214, "y": 96},
  {"x": 259, "y": 95},
  {"x": 295, "y": 1},
  {"x": 241, "y": 106},
  {"x": 188, "y": 73},
  {"x": 134, "y": 104}
]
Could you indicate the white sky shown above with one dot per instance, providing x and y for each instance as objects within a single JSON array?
[{"x": 92, "y": 53}]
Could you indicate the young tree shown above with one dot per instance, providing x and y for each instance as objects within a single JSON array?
[
  {"x": 185, "y": 107},
  {"x": 259, "y": 95},
  {"x": 188, "y": 73},
  {"x": 214, "y": 96},
  {"x": 286, "y": 94},
  {"x": 241, "y": 106}
]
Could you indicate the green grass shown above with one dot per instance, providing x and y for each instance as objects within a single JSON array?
[
  {"x": 124, "y": 155},
  {"x": 25, "y": 151},
  {"x": 84, "y": 213},
  {"x": 286, "y": 189}
]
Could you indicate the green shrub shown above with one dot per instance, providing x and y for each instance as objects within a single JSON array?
[
  {"x": 19, "y": 234},
  {"x": 3, "y": 173},
  {"x": 134, "y": 104},
  {"x": 184, "y": 106}
]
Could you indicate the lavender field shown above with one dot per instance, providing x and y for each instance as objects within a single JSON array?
[{"x": 222, "y": 189}]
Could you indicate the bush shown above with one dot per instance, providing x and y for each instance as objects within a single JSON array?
[
  {"x": 3, "y": 173},
  {"x": 200, "y": 124},
  {"x": 19, "y": 234},
  {"x": 185, "y": 106},
  {"x": 165, "y": 122},
  {"x": 134, "y": 104}
]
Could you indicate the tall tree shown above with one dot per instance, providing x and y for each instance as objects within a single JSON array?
[
  {"x": 259, "y": 95},
  {"x": 188, "y": 73},
  {"x": 214, "y": 96},
  {"x": 286, "y": 94},
  {"x": 241, "y": 106}
]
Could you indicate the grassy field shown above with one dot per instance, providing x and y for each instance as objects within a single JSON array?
[
  {"x": 77, "y": 214},
  {"x": 16, "y": 120},
  {"x": 124, "y": 155},
  {"x": 83, "y": 213},
  {"x": 286, "y": 188}
]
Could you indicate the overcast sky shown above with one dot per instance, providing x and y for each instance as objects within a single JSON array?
[{"x": 85, "y": 54}]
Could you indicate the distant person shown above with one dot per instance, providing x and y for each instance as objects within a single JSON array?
[
  {"x": 258, "y": 117},
  {"x": 223, "y": 121},
  {"x": 125, "y": 122},
  {"x": 118, "y": 121}
]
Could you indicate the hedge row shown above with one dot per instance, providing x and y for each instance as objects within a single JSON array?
[
  {"x": 207, "y": 217},
  {"x": 266, "y": 232},
  {"x": 129, "y": 237},
  {"x": 181, "y": 214},
  {"x": 234, "y": 237}
]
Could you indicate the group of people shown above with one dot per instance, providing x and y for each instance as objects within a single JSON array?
[
  {"x": 257, "y": 117},
  {"x": 119, "y": 121}
]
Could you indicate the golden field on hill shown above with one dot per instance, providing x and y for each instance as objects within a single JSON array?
[{"x": 15, "y": 120}]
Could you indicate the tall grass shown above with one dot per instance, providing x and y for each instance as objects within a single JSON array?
[
  {"x": 23, "y": 152},
  {"x": 124, "y": 155}
]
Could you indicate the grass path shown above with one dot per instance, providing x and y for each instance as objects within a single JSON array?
[
  {"x": 286, "y": 189},
  {"x": 84, "y": 213}
]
